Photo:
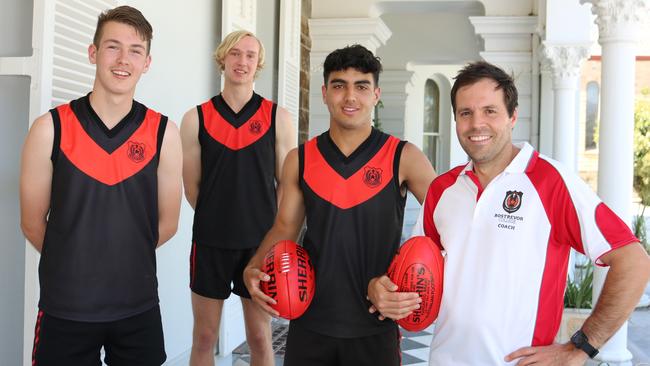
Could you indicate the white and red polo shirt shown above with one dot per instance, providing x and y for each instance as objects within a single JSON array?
[{"x": 507, "y": 248}]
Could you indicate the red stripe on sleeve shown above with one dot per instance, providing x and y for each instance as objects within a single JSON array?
[{"x": 616, "y": 231}]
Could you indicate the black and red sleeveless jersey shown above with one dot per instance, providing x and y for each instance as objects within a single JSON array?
[
  {"x": 98, "y": 261},
  {"x": 354, "y": 211},
  {"x": 236, "y": 205}
]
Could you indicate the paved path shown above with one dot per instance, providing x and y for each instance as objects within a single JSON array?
[{"x": 638, "y": 335}]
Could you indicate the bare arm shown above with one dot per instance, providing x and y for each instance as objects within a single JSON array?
[
  {"x": 36, "y": 180},
  {"x": 285, "y": 140},
  {"x": 627, "y": 277},
  {"x": 191, "y": 155},
  {"x": 286, "y": 226},
  {"x": 629, "y": 270},
  {"x": 169, "y": 183},
  {"x": 416, "y": 171}
]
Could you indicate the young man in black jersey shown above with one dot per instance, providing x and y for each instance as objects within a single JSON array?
[
  {"x": 234, "y": 146},
  {"x": 350, "y": 184},
  {"x": 100, "y": 191}
]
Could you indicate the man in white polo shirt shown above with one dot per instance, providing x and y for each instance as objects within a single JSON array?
[{"x": 507, "y": 221}]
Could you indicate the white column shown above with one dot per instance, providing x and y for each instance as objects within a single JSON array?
[
  {"x": 326, "y": 36},
  {"x": 393, "y": 96},
  {"x": 617, "y": 22},
  {"x": 508, "y": 43},
  {"x": 545, "y": 106},
  {"x": 414, "y": 105},
  {"x": 565, "y": 61}
]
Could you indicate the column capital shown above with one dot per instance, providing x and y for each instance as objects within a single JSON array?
[
  {"x": 328, "y": 34},
  {"x": 505, "y": 33},
  {"x": 618, "y": 20},
  {"x": 564, "y": 61},
  {"x": 395, "y": 79},
  {"x": 544, "y": 62}
]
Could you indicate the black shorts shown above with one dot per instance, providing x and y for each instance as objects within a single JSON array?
[
  {"x": 305, "y": 347},
  {"x": 216, "y": 272},
  {"x": 137, "y": 340}
]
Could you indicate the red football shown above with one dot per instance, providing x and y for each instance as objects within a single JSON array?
[
  {"x": 418, "y": 267},
  {"x": 292, "y": 282}
]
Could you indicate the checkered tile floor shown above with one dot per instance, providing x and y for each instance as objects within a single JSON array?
[{"x": 415, "y": 347}]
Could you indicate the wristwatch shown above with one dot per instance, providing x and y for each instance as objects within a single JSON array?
[{"x": 580, "y": 340}]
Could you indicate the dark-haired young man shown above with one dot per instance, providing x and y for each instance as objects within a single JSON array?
[
  {"x": 100, "y": 190},
  {"x": 507, "y": 221},
  {"x": 350, "y": 184}
]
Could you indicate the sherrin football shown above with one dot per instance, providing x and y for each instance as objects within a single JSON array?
[
  {"x": 418, "y": 267},
  {"x": 293, "y": 282}
]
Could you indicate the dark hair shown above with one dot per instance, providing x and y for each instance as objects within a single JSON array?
[
  {"x": 474, "y": 72},
  {"x": 125, "y": 15},
  {"x": 356, "y": 57}
]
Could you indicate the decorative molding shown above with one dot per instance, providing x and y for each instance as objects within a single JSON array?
[
  {"x": 329, "y": 34},
  {"x": 504, "y": 24},
  {"x": 393, "y": 84},
  {"x": 16, "y": 66},
  {"x": 395, "y": 79},
  {"x": 617, "y": 20},
  {"x": 522, "y": 58},
  {"x": 544, "y": 62},
  {"x": 505, "y": 34},
  {"x": 565, "y": 61}
]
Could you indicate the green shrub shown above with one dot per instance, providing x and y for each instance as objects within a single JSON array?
[
  {"x": 639, "y": 228},
  {"x": 578, "y": 292}
]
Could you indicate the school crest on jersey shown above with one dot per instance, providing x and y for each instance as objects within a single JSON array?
[
  {"x": 371, "y": 176},
  {"x": 136, "y": 151},
  {"x": 512, "y": 201},
  {"x": 255, "y": 127}
]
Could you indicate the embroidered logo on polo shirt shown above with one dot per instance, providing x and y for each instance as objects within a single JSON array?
[
  {"x": 136, "y": 151},
  {"x": 371, "y": 176},
  {"x": 512, "y": 202},
  {"x": 255, "y": 127}
]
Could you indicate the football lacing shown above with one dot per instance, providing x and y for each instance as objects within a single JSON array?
[{"x": 285, "y": 262}]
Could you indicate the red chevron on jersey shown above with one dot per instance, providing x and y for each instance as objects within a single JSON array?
[
  {"x": 361, "y": 186},
  {"x": 110, "y": 169},
  {"x": 237, "y": 138}
]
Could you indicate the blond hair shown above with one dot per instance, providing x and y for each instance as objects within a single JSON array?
[{"x": 230, "y": 41}]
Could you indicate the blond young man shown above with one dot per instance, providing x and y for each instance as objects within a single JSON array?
[
  {"x": 234, "y": 146},
  {"x": 100, "y": 191}
]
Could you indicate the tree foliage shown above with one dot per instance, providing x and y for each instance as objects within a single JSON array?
[
  {"x": 642, "y": 151},
  {"x": 642, "y": 166}
]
